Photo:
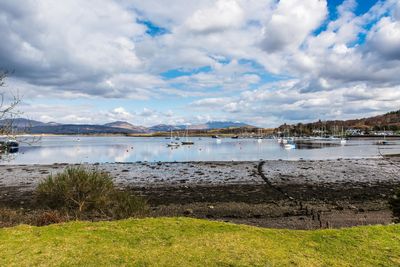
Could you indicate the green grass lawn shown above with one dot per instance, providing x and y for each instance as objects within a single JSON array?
[{"x": 192, "y": 242}]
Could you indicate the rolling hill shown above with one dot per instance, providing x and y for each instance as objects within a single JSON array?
[
  {"x": 387, "y": 121},
  {"x": 126, "y": 125}
]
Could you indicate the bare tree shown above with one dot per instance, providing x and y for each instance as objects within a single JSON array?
[
  {"x": 8, "y": 111},
  {"x": 9, "y": 130}
]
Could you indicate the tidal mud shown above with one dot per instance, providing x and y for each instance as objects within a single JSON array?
[{"x": 284, "y": 194}]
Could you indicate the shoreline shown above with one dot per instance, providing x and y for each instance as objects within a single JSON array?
[{"x": 302, "y": 194}]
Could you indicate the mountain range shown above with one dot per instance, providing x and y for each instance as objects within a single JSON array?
[{"x": 117, "y": 127}]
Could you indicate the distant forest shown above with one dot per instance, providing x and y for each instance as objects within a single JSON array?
[{"x": 386, "y": 122}]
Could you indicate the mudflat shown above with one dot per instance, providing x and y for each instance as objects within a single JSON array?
[{"x": 284, "y": 194}]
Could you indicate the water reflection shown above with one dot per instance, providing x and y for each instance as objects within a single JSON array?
[{"x": 66, "y": 149}]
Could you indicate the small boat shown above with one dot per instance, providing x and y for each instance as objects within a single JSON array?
[
  {"x": 260, "y": 135},
  {"x": 382, "y": 142},
  {"x": 343, "y": 140},
  {"x": 290, "y": 146},
  {"x": 214, "y": 136},
  {"x": 235, "y": 137},
  {"x": 10, "y": 146},
  {"x": 187, "y": 141},
  {"x": 173, "y": 144}
]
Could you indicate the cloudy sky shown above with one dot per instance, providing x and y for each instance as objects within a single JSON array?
[{"x": 264, "y": 62}]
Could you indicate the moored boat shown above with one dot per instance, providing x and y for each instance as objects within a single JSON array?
[
  {"x": 10, "y": 146},
  {"x": 187, "y": 141},
  {"x": 173, "y": 144},
  {"x": 290, "y": 146}
]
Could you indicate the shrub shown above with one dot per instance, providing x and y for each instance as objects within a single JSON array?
[
  {"x": 9, "y": 217},
  {"x": 87, "y": 192},
  {"x": 48, "y": 217},
  {"x": 394, "y": 203},
  {"x": 125, "y": 205}
]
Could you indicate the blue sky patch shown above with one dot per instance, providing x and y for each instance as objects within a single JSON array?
[{"x": 153, "y": 29}]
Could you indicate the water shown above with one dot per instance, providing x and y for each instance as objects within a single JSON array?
[{"x": 67, "y": 149}]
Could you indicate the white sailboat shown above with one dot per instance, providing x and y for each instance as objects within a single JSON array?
[
  {"x": 288, "y": 143},
  {"x": 259, "y": 139},
  {"x": 172, "y": 143},
  {"x": 383, "y": 142},
  {"x": 177, "y": 136},
  {"x": 343, "y": 140},
  {"x": 290, "y": 146},
  {"x": 187, "y": 141}
]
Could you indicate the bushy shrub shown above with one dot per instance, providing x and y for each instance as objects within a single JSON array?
[
  {"x": 86, "y": 192},
  {"x": 124, "y": 205},
  {"x": 48, "y": 217},
  {"x": 394, "y": 203}
]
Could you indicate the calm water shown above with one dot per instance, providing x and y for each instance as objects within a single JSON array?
[{"x": 67, "y": 149}]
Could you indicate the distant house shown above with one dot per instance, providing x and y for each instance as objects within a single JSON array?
[
  {"x": 383, "y": 133},
  {"x": 353, "y": 131},
  {"x": 316, "y": 131}
]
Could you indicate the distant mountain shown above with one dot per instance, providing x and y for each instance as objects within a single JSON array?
[
  {"x": 127, "y": 126},
  {"x": 117, "y": 127},
  {"x": 205, "y": 126},
  {"x": 21, "y": 123},
  {"x": 166, "y": 128},
  {"x": 78, "y": 129},
  {"x": 226, "y": 124}
]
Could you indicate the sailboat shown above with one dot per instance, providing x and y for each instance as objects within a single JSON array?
[
  {"x": 177, "y": 136},
  {"x": 343, "y": 140},
  {"x": 187, "y": 141},
  {"x": 77, "y": 138},
  {"x": 288, "y": 143},
  {"x": 383, "y": 142},
  {"x": 290, "y": 146},
  {"x": 172, "y": 143},
  {"x": 259, "y": 139}
]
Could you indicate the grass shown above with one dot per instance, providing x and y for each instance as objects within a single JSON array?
[{"x": 193, "y": 242}]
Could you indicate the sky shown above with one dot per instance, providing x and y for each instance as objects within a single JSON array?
[{"x": 263, "y": 62}]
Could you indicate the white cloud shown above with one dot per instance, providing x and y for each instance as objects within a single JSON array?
[
  {"x": 226, "y": 51},
  {"x": 226, "y": 14},
  {"x": 68, "y": 45},
  {"x": 385, "y": 38},
  {"x": 120, "y": 113},
  {"x": 291, "y": 22}
]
